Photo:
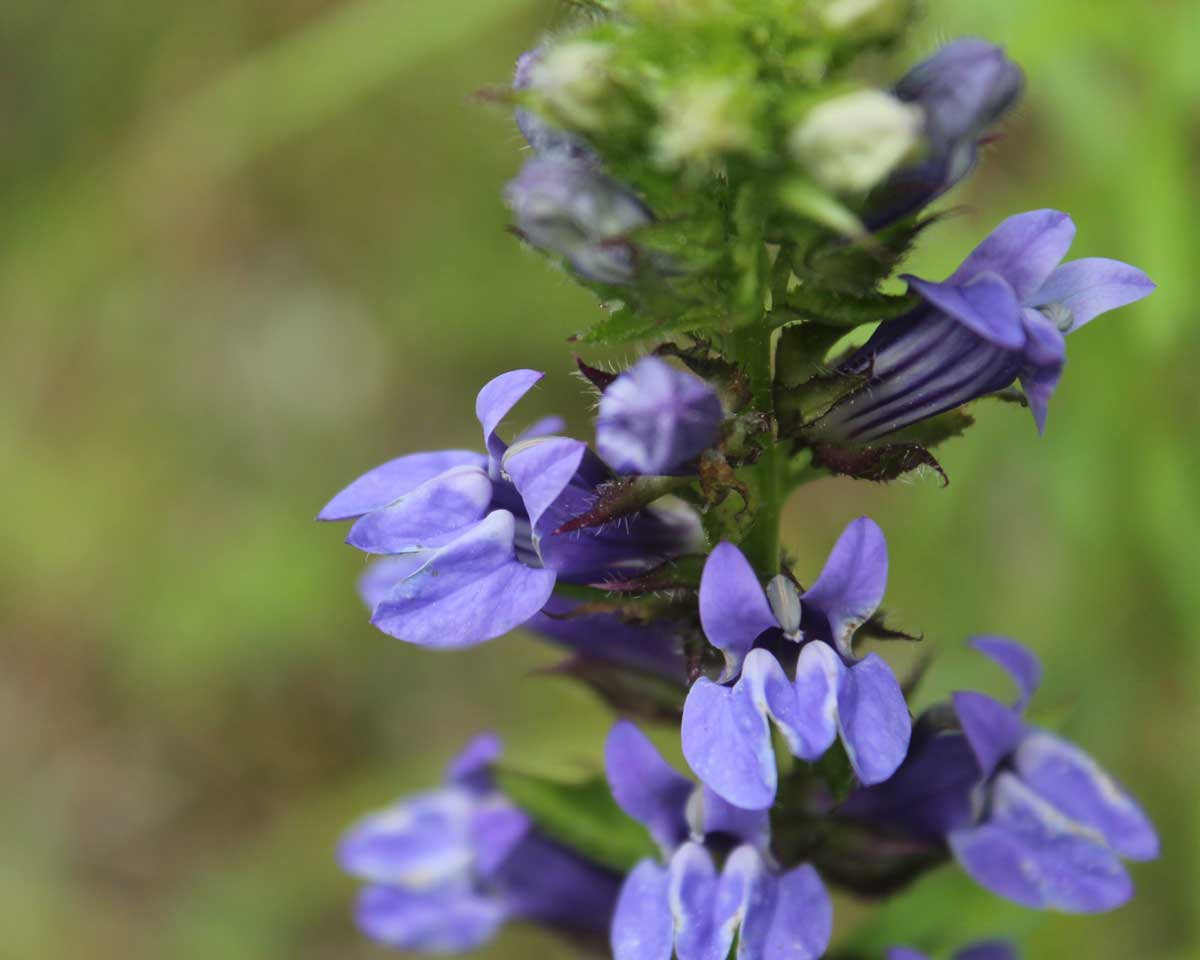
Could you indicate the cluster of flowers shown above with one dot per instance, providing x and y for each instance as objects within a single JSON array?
[{"x": 469, "y": 546}]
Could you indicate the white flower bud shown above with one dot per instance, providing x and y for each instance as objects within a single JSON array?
[
  {"x": 572, "y": 78},
  {"x": 852, "y": 142},
  {"x": 868, "y": 15},
  {"x": 701, "y": 120}
]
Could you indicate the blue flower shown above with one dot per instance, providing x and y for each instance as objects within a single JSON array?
[
  {"x": 789, "y": 661},
  {"x": 656, "y": 419},
  {"x": 447, "y": 868},
  {"x": 1027, "y": 814},
  {"x": 470, "y": 540},
  {"x": 962, "y": 90},
  {"x": 1001, "y": 316},
  {"x": 984, "y": 950},
  {"x": 690, "y": 908}
]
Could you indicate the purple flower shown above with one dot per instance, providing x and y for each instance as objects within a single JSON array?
[
  {"x": 789, "y": 661},
  {"x": 470, "y": 539},
  {"x": 984, "y": 950},
  {"x": 691, "y": 908},
  {"x": 447, "y": 868},
  {"x": 655, "y": 419},
  {"x": 566, "y": 206},
  {"x": 1028, "y": 815},
  {"x": 1001, "y": 316},
  {"x": 962, "y": 90}
]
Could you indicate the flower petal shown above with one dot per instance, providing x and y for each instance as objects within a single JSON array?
[
  {"x": 471, "y": 590},
  {"x": 645, "y": 786},
  {"x": 850, "y": 588},
  {"x": 446, "y": 921},
  {"x": 802, "y": 921},
  {"x": 1071, "y": 780},
  {"x": 472, "y": 767},
  {"x": 746, "y": 898},
  {"x": 497, "y": 829},
  {"x": 546, "y": 427},
  {"x": 905, "y": 953},
  {"x": 429, "y": 516},
  {"x": 733, "y": 607},
  {"x": 642, "y": 927},
  {"x": 1092, "y": 286},
  {"x": 812, "y": 726},
  {"x": 873, "y": 719},
  {"x": 693, "y": 884},
  {"x": 421, "y": 843},
  {"x": 541, "y": 470},
  {"x": 379, "y": 487},
  {"x": 993, "y": 730},
  {"x": 988, "y": 950},
  {"x": 1024, "y": 250},
  {"x": 986, "y": 305},
  {"x": 382, "y": 575},
  {"x": 1016, "y": 659},
  {"x": 496, "y": 399},
  {"x": 727, "y": 743},
  {"x": 1028, "y": 852}
]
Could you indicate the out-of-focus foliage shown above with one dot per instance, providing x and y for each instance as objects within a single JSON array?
[{"x": 248, "y": 249}]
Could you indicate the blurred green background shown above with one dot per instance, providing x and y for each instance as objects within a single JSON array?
[{"x": 249, "y": 248}]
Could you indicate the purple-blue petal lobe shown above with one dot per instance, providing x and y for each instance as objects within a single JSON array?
[
  {"x": 993, "y": 730},
  {"x": 851, "y": 586},
  {"x": 645, "y": 786},
  {"x": 693, "y": 890},
  {"x": 450, "y": 920},
  {"x": 1024, "y": 250},
  {"x": 643, "y": 927},
  {"x": 802, "y": 921},
  {"x": 1089, "y": 287},
  {"x": 988, "y": 950},
  {"x": 809, "y": 724},
  {"x": 986, "y": 305},
  {"x": 1016, "y": 659},
  {"x": 379, "y": 487},
  {"x": 428, "y": 516},
  {"x": 542, "y": 469},
  {"x": 873, "y": 719},
  {"x": 733, "y": 607},
  {"x": 420, "y": 843},
  {"x": 727, "y": 743},
  {"x": 746, "y": 900},
  {"x": 1028, "y": 852},
  {"x": 905, "y": 953},
  {"x": 382, "y": 575},
  {"x": 1072, "y": 781},
  {"x": 471, "y": 590},
  {"x": 496, "y": 399},
  {"x": 655, "y": 418},
  {"x": 472, "y": 767}
]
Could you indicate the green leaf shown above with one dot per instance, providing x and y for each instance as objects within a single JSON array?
[
  {"x": 936, "y": 430},
  {"x": 582, "y": 816}
]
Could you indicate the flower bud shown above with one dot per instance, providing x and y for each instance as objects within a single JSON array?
[
  {"x": 852, "y": 142},
  {"x": 567, "y": 207},
  {"x": 572, "y": 79},
  {"x": 542, "y": 136},
  {"x": 654, "y": 418},
  {"x": 866, "y": 16},
  {"x": 702, "y": 119}
]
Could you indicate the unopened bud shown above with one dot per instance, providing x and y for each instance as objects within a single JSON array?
[
  {"x": 572, "y": 79},
  {"x": 852, "y": 142},
  {"x": 701, "y": 120}
]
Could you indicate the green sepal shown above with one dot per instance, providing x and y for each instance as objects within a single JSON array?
[
  {"x": 801, "y": 351},
  {"x": 582, "y": 816}
]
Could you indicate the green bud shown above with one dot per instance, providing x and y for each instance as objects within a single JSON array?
[
  {"x": 852, "y": 142},
  {"x": 863, "y": 16}
]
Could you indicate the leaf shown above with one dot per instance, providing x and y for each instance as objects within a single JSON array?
[
  {"x": 807, "y": 200},
  {"x": 622, "y": 497},
  {"x": 878, "y": 463},
  {"x": 799, "y": 407},
  {"x": 582, "y": 816},
  {"x": 847, "y": 310},
  {"x": 800, "y": 353}
]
